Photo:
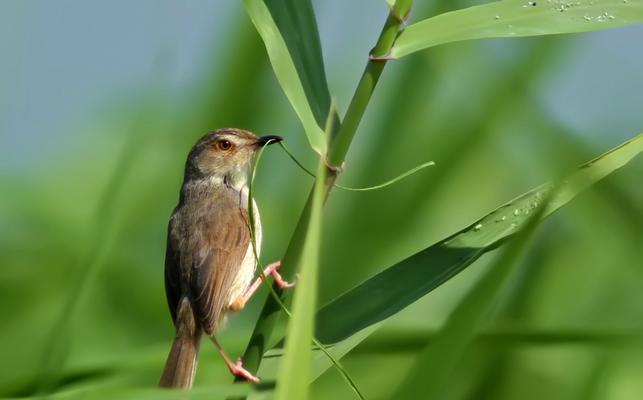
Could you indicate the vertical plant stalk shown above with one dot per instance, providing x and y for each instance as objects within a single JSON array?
[
  {"x": 340, "y": 141},
  {"x": 295, "y": 370},
  {"x": 251, "y": 224}
]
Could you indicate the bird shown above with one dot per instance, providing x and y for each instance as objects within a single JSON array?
[{"x": 210, "y": 262}]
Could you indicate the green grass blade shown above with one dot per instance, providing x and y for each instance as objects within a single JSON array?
[
  {"x": 321, "y": 361},
  {"x": 99, "y": 392},
  {"x": 298, "y": 26},
  {"x": 294, "y": 373},
  {"x": 429, "y": 374},
  {"x": 513, "y": 18},
  {"x": 400, "y": 285},
  {"x": 405, "y": 340},
  {"x": 331, "y": 358},
  {"x": 334, "y": 361},
  {"x": 285, "y": 71},
  {"x": 341, "y": 136}
]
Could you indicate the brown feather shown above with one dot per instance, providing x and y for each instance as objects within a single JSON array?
[
  {"x": 181, "y": 362},
  {"x": 211, "y": 239},
  {"x": 207, "y": 262},
  {"x": 172, "y": 273}
]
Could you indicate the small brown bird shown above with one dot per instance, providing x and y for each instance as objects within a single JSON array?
[{"x": 209, "y": 263}]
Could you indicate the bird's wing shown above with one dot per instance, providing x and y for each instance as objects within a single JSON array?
[
  {"x": 223, "y": 240},
  {"x": 172, "y": 268}
]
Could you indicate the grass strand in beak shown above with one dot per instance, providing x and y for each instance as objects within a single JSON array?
[
  {"x": 361, "y": 189},
  {"x": 251, "y": 225}
]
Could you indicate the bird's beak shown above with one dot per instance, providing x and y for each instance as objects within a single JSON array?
[{"x": 268, "y": 139}]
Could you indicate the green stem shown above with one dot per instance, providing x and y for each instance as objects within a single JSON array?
[
  {"x": 340, "y": 142},
  {"x": 270, "y": 313},
  {"x": 377, "y": 61}
]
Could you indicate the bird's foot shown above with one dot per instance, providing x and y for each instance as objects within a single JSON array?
[
  {"x": 271, "y": 269},
  {"x": 237, "y": 369},
  {"x": 281, "y": 282}
]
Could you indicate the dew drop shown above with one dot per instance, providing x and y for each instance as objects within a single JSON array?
[
  {"x": 562, "y": 6},
  {"x": 517, "y": 212},
  {"x": 603, "y": 17},
  {"x": 497, "y": 17},
  {"x": 477, "y": 227}
]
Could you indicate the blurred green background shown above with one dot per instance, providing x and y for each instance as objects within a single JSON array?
[{"x": 100, "y": 103}]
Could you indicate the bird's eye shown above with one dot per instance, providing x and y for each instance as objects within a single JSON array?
[{"x": 224, "y": 145}]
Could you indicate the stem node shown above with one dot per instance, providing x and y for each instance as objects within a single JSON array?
[
  {"x": 334, "y": 169},
  {"x": 384, "y": 58}
]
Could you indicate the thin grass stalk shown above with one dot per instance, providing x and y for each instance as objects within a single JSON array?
[
  {"x": 341, "y": 138},
  {"x": 251, "y": 227}
]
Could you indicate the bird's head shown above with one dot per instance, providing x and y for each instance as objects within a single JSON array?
[{"x": 225, "y": 154}]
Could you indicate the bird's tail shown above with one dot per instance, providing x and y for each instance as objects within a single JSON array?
[{"x": 181, "y": 362}]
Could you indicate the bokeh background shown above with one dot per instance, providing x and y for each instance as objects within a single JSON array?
[{"x": 101, "y": 101}]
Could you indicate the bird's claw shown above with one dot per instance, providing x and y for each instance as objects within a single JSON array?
[{"x": 237, "y": 369}]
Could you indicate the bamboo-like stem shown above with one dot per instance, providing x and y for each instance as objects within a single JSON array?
[
  {"x": 377, "y": 61},
  {"x": 340, "y": 140}
]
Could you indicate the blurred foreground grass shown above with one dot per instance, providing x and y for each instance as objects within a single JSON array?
[{"x": 82, "y": 236}]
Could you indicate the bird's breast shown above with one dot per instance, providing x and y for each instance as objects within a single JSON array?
[{"x": 248, "y": 266}]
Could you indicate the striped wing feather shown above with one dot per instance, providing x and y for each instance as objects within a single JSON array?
[{"x": 206, "y": 246}]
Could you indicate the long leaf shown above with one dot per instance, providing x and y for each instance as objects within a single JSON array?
[
  {"x": 405, "y": 340},
  {"x": 99, "y": 392},
  {"x": 430, "y": 373},
  {"x": 513, "y": 18},
  {"x": 400, "y": 285},
  {"x": 285, "y": 71},
  {"x": 298, "y": 26},
  {"x": 294, "y": 372},
  {"x": 342, "y": 138}
]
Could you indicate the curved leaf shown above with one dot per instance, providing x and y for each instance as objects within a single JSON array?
[
  {"x": 285, "y": 71},
  {"x": 430, "y": 372},
  {"x": 295, "y": 370},
  {"x": 512, "y": 18},
  {"x": 297, "y": 24},
  {"x": 400, "y": 285}
]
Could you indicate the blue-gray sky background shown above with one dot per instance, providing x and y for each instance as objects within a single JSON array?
[{"x": 67, "y": 63}]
